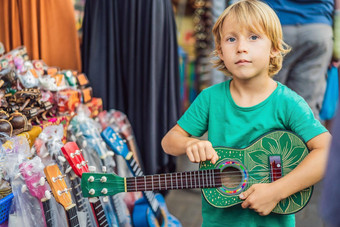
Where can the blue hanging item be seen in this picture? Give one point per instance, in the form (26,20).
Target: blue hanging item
(330,101)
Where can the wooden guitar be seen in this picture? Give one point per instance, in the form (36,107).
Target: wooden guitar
(269,158)
(76,160)
(61,193)
(33,173)
(151,210)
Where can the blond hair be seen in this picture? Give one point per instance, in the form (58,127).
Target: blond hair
(257,17)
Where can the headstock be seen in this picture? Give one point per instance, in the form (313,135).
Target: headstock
(124,126)
(115,142)
(32,171)
(74,157)
(101,184)
(88,136)
(59,188)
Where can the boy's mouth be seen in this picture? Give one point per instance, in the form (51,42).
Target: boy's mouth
(242,61)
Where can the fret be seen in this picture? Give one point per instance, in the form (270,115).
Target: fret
(171,181)
(152,181)
(195,179)
(136,184)
(181,180)
(213,178)
(159,179)
(72,216)
(100,214)
(166,183)
(138,173)
(199,179)
(47,213)
(186,178)
(145,183)
(190,180)
(135,168)
(177,180)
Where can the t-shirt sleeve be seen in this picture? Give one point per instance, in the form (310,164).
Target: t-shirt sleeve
(195,120)
(303,122)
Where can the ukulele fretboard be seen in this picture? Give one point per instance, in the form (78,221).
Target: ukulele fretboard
(184,180)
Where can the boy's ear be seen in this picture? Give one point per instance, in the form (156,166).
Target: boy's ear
(274,53)
(220,54)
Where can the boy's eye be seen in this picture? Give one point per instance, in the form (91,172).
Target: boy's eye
(254,37)
(231,39)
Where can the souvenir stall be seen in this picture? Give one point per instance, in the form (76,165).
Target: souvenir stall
(62,116)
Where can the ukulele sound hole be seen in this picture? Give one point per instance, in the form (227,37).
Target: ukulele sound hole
(231,177)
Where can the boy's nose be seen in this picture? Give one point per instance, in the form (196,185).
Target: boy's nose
(242,46)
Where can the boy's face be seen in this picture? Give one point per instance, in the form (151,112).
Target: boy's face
(245,54)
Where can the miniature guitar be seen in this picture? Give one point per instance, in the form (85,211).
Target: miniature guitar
(61,193)
(76,160)
(36,184)
(269,158)
(87,134)
(48,147)
(150,210)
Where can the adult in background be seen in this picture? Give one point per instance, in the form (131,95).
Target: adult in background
(307,28)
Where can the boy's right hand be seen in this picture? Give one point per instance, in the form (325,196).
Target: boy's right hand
(201,150)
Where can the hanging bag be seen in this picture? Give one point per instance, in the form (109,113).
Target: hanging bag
(330,101)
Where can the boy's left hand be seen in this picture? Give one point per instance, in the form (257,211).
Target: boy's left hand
(260,197)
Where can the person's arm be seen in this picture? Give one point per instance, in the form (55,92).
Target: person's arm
(178,142)
(264,197)
(336,33)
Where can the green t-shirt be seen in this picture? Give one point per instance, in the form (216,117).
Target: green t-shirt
(230,125)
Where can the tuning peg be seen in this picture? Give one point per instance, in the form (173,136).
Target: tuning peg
(67,190)
(42,181)
(103,179)
(93,199)
(69,127)
(84,143)
(78,134)
(29,173)
(90,179)
(18,175)
(48,194)
(68,169)
(73,138)
(92,169)
(61,158)
(33,150)
(104,191)
(23,188)
(105,199)
(77,152)
(110,153)
(92,191)
(104,169)
(45,155)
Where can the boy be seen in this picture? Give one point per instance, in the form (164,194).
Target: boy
(250,49)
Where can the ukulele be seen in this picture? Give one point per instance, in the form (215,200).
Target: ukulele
(87,135)
(48,146)
(269,158)
(61,193)
(34,177)
(76,160)
(150,210)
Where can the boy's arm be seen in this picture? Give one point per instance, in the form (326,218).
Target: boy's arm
(178,142)
(264,197)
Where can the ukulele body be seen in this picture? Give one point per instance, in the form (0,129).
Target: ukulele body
(269,158)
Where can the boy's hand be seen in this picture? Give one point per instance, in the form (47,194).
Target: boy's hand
(201,150)
(260,197)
